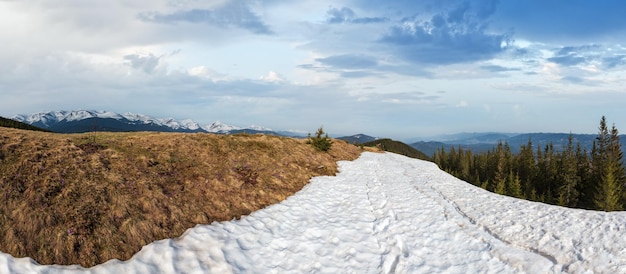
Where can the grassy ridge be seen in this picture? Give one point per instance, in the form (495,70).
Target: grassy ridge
(69,200)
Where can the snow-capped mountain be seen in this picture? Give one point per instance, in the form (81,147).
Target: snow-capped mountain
(358,138)
(219,127)
(89,120)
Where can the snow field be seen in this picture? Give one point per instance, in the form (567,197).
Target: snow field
(385,213)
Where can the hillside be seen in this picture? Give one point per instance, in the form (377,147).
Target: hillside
(85,198)
(9,123)
(398,147)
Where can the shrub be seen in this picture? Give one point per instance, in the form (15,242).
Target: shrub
(321,141)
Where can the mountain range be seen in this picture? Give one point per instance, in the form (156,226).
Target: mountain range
(79,121)
(482,142)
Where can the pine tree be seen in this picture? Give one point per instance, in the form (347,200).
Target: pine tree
(609,194)
(465,161)
(607,164)
(526,167)
(500,187)
(515,186)
(618,156)
(452,162)
(547,168)
(583,170)
(501,172)
(320,141)
(441,159)
(600,152)
(568,193)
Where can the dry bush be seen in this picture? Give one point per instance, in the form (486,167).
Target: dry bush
(67,200)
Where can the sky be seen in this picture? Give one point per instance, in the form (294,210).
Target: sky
(398,69)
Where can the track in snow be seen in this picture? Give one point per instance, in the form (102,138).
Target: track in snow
(383,213)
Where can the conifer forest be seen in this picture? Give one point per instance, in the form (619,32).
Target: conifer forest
(572,177)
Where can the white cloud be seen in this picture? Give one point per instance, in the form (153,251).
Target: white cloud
(273,77)
(462,104)
(289,60)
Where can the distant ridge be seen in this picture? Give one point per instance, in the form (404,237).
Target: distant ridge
(358,138)
(80,121)
(477,142)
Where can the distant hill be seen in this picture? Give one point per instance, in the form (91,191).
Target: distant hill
(429,148)
(483,142)
(358,138)
(399,148)
(559,140)
(5,122)
(467,138)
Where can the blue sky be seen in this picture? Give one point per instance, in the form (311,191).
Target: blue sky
(397,69)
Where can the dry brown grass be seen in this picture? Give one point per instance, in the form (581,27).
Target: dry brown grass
(68,200)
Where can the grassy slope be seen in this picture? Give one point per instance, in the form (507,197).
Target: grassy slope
(66,199)
(5,122)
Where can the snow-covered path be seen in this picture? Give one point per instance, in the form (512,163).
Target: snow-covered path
(385,213)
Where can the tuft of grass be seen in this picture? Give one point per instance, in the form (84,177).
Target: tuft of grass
(68,200)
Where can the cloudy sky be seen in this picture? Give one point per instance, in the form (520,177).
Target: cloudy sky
(395,69)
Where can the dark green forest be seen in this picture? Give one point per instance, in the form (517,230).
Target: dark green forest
(572,177)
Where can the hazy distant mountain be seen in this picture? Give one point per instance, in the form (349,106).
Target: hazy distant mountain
(89,120)
(358,138)
(481,142)
(473,137)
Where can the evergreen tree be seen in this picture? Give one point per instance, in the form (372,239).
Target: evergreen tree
(515,186)
(500,187)
(452,161)
(568,193)
(547,167)
(607,164)
(618,156)
(501,173)
(440,158)
(526,167)
(600,151)
(320,141)
(609,193)
(585,187)
(464,163)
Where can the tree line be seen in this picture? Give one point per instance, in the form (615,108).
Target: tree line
(572,177)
